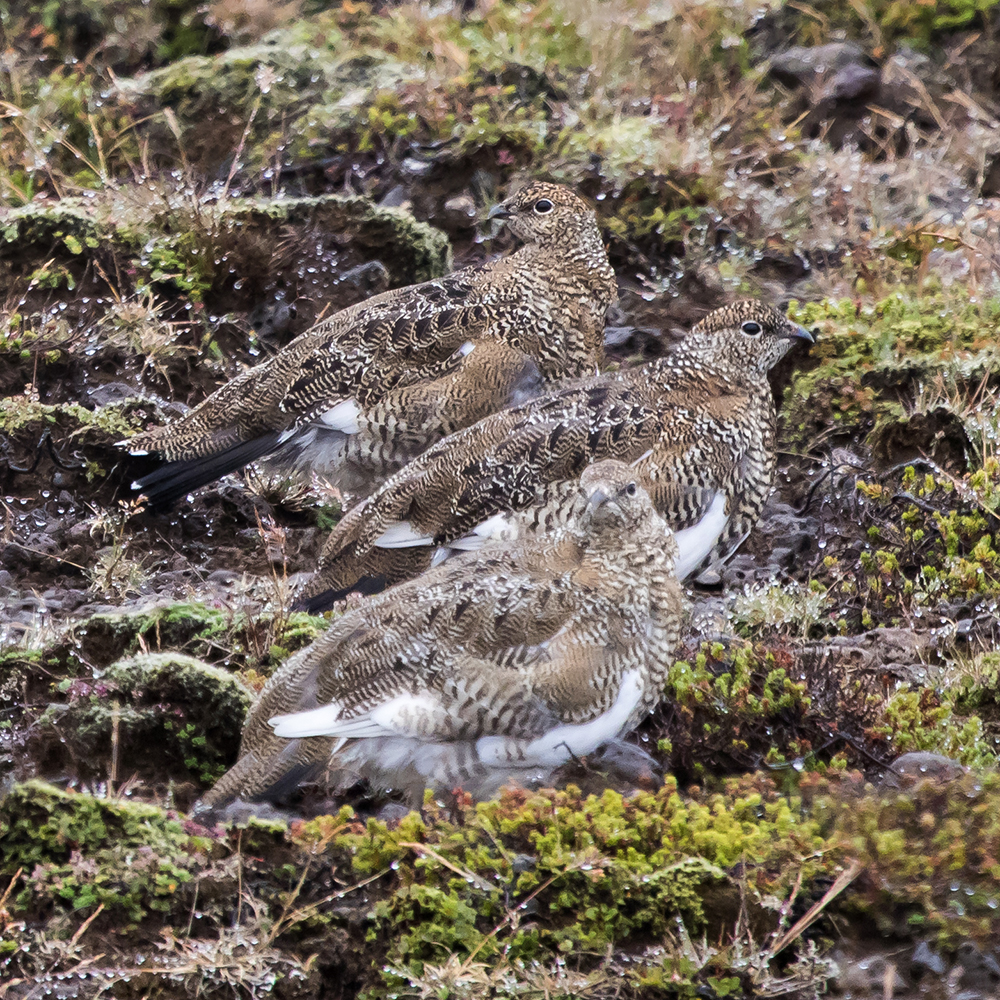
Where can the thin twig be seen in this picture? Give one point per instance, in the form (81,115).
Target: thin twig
(813,913)
(423,849)
(82,929)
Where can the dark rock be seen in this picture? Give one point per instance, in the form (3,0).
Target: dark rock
(112,392)
(800,65)
(459,212)
(392,812)
(980,971)
(854,83)
(272,318)
(990,187)
(396,197)
(927,960)
(365,280)
(911,768)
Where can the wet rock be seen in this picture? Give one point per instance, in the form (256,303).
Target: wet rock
(367,279)
(272,318)
(868,975)
(175,717)
(799,65)
(392,812)
(838,72)
(911,768)
(980,970)
(834,85)
(459,213)
(925,959)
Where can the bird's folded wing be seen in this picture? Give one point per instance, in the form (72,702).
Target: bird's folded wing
(359,352)
(499,463)
(519,692)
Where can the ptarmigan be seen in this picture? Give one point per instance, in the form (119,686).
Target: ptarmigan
(363,392)
(699,424)
(502,663)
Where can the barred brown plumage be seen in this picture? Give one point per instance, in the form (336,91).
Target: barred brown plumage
(501,663)
(700,423)
(361,393)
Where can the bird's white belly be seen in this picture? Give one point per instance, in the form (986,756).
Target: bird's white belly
(695,543)
(562,742)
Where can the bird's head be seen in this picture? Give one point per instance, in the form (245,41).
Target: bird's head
(615,495)
(748,334)
(541,212)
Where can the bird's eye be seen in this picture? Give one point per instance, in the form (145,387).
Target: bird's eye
(543,205)
(630,489)
(750,328)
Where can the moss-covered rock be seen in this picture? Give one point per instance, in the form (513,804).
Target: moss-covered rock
(67,439)
(50,246)
(874,367)
(85,851)
(162,715)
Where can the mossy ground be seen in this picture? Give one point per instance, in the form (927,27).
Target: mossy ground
(186,186)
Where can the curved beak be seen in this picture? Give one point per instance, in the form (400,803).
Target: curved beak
(499,212)
(801,333)
(597,498)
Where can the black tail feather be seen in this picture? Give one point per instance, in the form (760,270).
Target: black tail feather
(163,487)
(365,585)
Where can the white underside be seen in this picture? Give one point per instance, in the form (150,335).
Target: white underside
(402,535)
(395,718)
(695,543)
(313,722)
(559,744)
(343,417)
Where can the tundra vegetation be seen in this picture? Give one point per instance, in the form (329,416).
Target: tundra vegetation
(187,185)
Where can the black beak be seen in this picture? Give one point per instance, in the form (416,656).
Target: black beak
(801,333)
(499,212)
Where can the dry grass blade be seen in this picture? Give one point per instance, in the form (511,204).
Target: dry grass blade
(843,881)
(424,850)
(82,929)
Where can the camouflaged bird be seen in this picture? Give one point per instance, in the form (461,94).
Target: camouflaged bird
(361,393)
(498,664)
(699,424)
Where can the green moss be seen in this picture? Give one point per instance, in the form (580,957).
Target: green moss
(601,869)
(595,871)
(870,362)
(931,539)
(116,420)
(738,704)
(86,851)
(66,224)
(926,720)
(169,712)
(919,23)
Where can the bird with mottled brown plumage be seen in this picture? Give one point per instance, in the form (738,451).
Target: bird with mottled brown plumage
(499,664)
(363,392)
(699,424)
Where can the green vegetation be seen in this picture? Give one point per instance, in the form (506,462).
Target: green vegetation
(876,367)
(187,185)
(155,711)
(85,851)
(514,884)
